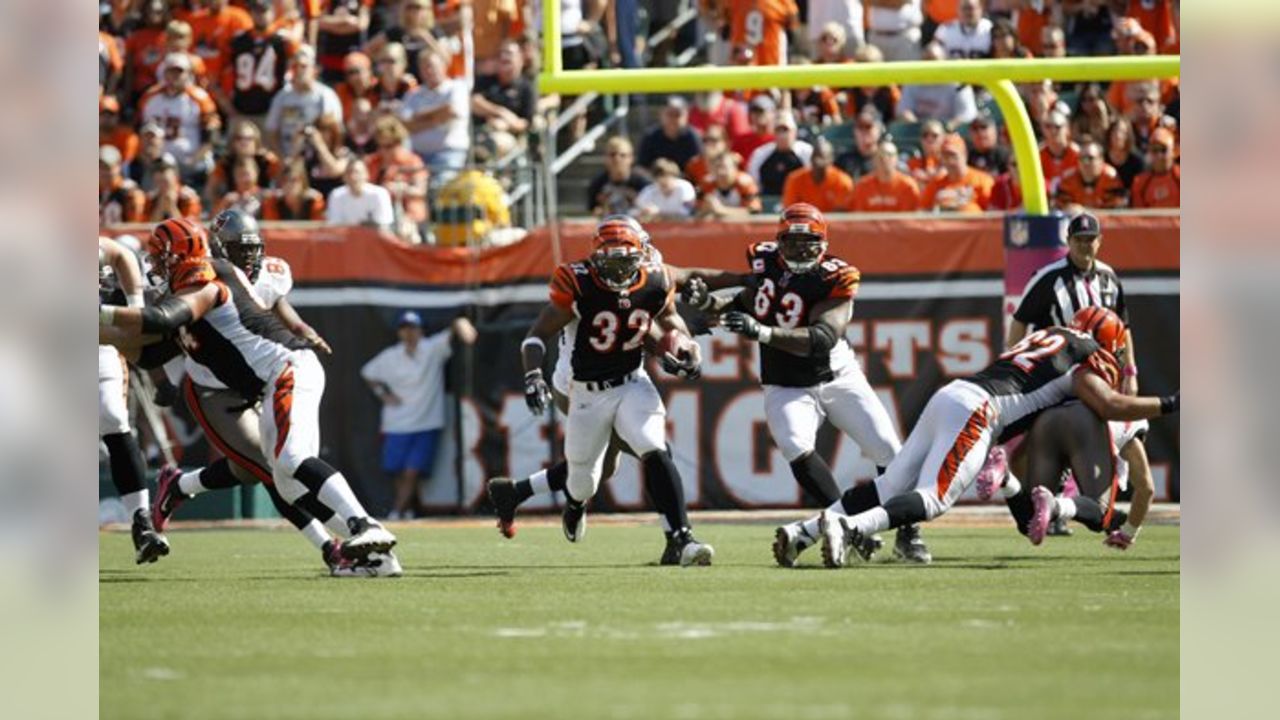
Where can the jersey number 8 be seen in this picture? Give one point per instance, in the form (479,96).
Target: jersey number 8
(606,324)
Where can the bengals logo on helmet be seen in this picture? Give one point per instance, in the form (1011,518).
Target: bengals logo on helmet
(177,240)
(1104,325)
(802,219)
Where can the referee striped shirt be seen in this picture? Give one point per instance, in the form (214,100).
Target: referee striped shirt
(1060,289)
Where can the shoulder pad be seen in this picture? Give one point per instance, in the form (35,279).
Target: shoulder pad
(758,254)
(1104,365)
(192,273)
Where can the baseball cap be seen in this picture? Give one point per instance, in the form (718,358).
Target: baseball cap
(409,317)
(1056,119)
(110,155)
(763,102)
(983,119)
(675,102)
(151,127)
(176,60)
(785,119)
(1085,224)
(108,103)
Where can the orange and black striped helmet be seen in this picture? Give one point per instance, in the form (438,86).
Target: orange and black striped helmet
(802,236)
(1104,325)
(618,251)
(177,240)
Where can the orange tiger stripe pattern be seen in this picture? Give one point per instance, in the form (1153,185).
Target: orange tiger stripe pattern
(978,422)
(846,281)
(564,287)
(282,406)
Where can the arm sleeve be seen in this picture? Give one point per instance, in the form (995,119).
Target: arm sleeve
(564,288)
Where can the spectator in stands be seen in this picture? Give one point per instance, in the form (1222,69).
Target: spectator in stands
(714,143)
(894,27)
(868,129)
(1124,94)
(668,197)
(883,98)
(614,191)
(816,106)
(1088,24)
(1005,44)
(1091,184)
(951,103)
(246,193)
(1041,98)
(119,17)
(927,164)
(395,167)
(144,49)
(1053,42)
(119,199)
(115,133)
(394,83)
(213,27)
(985,151)
(1057,152)
(826,187)
(495,21)
(170,198)
(969,35)
(841,18)
(1158,17)
(1159,186)
(886,188)
(305,103)
(960,188)
(438,115)
(340,28)
(1121,153)
(1092,115)
(110,64)
(1148,116)
(244,143)
(140,171)
(359,82)
(359,202)
(672,138)
(505,104)
(177,40)
(1031,17)
(762,112)
(772,162)
(716,108)
(187,112)
(359,137)
(1006,193)
(257,64)
(730,193)
(413,32)
(295,200)
(758,31)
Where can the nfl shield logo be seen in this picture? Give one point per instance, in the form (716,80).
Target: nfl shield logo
(624,302)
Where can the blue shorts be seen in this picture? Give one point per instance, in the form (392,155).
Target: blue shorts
(404,451)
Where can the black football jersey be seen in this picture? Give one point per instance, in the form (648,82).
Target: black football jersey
(607,335)
(783,299)
(1036,374)
(258,64)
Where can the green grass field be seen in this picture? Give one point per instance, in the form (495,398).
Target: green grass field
(243,624)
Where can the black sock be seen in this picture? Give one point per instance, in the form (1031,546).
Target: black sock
(128,469)
(860,498)
(313,472)
(905,510)
(219,476)
(292,513)
(311,505)
(1021,509)
(811,471)
(665,490)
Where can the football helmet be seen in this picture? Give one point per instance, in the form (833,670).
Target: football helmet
(236,237)
(802,237)
(1104,325)
(618,251)
(174,242)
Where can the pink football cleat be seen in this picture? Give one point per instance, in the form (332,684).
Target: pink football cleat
(1118,539)
(991,477)
(168,497)
(1042,503)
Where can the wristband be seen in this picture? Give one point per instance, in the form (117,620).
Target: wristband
(106,314)
(134,301)
(1168,404)
(1130,530)
(530,374)
(766,334)
(533,341)
(1130,371)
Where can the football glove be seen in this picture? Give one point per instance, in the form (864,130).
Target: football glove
(536,393)
(742,324)
(686,367)
(696,294)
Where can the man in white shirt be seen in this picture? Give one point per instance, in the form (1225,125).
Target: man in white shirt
(894,27)
(359,202)
(969,35)
(668,196)
(950,103)
(438,113)
(408,379)
(305,103)
(847,13)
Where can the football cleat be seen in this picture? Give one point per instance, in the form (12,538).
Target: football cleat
(1042,503)
(574,520)
(168,497)
(1059,528)
(683,549)
(788,542)
(909,547)
(148,544)
(831,529)
(331,553)
(373,565)
(367,536)
(991,477)
(502,495)
(1118,539)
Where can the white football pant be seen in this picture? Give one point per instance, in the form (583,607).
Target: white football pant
(795,414)
(634,409)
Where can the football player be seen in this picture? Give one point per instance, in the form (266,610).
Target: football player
(232,340)
(120,283)
(950,441)
(609,305)
(797,305)
(231,424)
(507,496)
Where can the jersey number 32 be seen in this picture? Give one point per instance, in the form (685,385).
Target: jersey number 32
(606,325)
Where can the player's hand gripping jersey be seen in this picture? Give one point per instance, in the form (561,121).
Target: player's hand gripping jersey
(610,322)
(784,299)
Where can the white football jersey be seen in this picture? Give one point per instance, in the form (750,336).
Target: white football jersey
(964,43)
(274,282)
(180,116)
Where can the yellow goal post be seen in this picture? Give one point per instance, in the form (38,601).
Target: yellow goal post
(998,76)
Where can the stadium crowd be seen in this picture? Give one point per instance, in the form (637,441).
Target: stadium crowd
(365,112)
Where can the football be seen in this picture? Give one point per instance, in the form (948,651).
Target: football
(673,342)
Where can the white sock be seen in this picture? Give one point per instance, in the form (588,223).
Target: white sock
(872,521)
(135,501)
(538,481)
(314,532)
(1066,509)
(337,526)
(190,483)
(809,528)
(337,495)
(1012,486)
